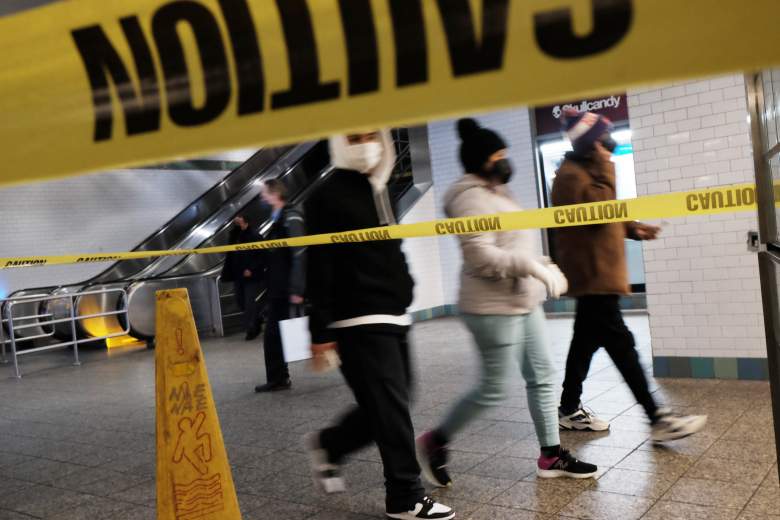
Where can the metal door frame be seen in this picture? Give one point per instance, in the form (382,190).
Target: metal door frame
(769,249)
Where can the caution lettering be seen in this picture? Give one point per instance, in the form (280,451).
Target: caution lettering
(360,236)
(732,198)
(25,262)
(594,214)
(471,50)
(471,225)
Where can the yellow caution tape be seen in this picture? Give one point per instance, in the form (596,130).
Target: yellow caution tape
(724,199)
(95,84)
(194,479)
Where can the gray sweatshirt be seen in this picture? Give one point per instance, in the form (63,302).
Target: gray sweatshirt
(495,278)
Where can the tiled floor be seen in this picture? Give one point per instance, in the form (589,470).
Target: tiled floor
(78,443)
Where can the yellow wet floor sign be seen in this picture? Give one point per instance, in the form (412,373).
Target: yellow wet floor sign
(193,474)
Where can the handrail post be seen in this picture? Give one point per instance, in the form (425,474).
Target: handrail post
(76,361)
(3,359)
(13,339)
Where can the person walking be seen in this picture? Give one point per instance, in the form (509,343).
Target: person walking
(359,295)
(285,283)
(503,283)
(245,270)
(593,259)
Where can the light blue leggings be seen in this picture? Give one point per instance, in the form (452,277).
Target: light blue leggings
(500,340)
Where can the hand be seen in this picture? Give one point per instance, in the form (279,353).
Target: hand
(647,232)
(324,356)
(247,273)
(552,278)
(296,299)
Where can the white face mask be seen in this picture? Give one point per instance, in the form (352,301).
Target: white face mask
(364,157)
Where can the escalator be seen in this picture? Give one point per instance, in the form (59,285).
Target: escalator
(301,167)
(265,163)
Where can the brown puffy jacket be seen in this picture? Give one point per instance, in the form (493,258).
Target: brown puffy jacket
(593,257)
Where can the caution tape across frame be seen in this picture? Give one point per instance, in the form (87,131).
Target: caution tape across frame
(91,85)
(724,199)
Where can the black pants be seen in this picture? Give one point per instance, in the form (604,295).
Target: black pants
(599,323)
(278,309)
(375,364)
(246,292)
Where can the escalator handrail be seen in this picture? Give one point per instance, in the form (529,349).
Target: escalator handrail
(290,167)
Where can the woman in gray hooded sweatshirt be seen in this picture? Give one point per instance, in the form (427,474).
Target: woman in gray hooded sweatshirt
(503,284)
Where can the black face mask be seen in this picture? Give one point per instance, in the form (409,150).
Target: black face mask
(608,143)
(500,170)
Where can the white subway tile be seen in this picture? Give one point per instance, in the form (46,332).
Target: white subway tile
(722,82)
(650,97)
(689,124)
(673,92)
(686,101)
(696,87)
(713,120)
(662,107)
(696,111)
(737,92)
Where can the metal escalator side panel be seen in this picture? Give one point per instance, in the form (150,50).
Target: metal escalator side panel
(170,234)
(60,309)
(298,177)
(27,315)
(101,315)
(203,293)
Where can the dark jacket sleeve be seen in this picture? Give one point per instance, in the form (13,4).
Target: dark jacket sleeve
(320,272)
(258,260)
(229,267)
(296,228)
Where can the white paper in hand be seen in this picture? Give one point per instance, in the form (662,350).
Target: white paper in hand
(296,340)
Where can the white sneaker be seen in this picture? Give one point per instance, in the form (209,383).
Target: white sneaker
(326,476)
(583,420)
(426,508)
(670,426)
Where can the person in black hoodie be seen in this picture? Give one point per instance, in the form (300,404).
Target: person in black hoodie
(359,293)
(285,283)
(245,269)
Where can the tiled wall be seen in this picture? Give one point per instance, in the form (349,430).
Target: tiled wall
(422,254)
(703,287)
(112,211)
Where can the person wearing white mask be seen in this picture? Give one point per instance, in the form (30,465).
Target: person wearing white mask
(359,294)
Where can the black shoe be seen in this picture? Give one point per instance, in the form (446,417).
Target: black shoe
(425,508)
(433,460)
(251,334)
(274,387)
(564,465)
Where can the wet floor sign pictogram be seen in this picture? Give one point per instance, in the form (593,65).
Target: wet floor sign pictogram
(193,474)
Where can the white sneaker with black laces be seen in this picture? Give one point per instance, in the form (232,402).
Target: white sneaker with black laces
(425,508)
(583,420)
(670,426)
(326,476)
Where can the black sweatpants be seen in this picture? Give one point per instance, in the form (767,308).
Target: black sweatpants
(599,323)
(246,291)
(375,364)
(278,309)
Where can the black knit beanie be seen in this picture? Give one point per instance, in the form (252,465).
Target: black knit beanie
(477,144)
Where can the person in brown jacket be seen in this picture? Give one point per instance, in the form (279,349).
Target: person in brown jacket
(593,259)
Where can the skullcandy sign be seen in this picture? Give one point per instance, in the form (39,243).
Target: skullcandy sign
(548,118)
